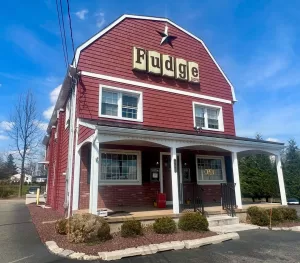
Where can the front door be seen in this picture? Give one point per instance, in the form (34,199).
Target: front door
(167,176)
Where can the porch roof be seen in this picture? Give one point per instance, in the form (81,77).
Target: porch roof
(184,138)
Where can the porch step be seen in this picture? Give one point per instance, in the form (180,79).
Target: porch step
(222,220)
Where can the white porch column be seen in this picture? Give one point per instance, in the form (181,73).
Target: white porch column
(280,180)
(94,177)
(174,174)
(236,179)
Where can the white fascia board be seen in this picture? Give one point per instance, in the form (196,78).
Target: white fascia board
(196,139)
(120,19)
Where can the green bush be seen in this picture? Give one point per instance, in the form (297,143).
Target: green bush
(258,216)
(61,226)
(193,222)
(5,192)
(164,225)
(277,215)
(85,228)
(289,213)
(131,228)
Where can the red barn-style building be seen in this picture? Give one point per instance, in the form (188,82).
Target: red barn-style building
(145,109)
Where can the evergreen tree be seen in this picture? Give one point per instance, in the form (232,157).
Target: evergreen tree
(258,176)
(11,167)
(291,169)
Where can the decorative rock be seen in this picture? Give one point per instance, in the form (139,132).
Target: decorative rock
(210,240)
(90,257)
(276,228)
(66,253)
(164,246)
(177,245)
(264,227)
(51,245)
(295,228)
(76,255)
(57,250)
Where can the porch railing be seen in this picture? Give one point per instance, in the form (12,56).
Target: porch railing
(192,200)
(228,198)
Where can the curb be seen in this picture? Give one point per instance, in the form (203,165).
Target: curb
(294,228)
(142,250)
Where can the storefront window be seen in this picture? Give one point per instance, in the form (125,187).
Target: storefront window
(210,169)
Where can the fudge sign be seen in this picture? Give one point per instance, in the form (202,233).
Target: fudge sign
(165,65)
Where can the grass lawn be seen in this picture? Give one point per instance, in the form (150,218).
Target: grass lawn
(13,190)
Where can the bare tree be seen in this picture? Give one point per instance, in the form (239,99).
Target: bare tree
(25,131)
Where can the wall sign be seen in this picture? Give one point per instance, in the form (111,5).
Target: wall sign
(165,65)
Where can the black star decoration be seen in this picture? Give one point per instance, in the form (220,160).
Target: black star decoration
(166,38)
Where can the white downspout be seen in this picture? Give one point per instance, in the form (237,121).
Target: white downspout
(71,146)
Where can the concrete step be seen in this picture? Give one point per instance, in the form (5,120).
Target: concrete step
(222,220)
(232,228)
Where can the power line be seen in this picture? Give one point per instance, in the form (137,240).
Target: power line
(70,24)
(61,35)
(64,31)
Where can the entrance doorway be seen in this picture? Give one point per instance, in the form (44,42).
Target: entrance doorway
(166,182)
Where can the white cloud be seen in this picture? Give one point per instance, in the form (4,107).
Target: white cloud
(81,14)
(0,85)
(53,98)
(3,137)
(6,125)
(100,19)
(43,126)
(48,112)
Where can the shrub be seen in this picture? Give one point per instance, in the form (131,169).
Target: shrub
(193,222)
(258,216)
(61,226)
(5,192)
(164,225)
(87,228)
(277,215)
(131,228)
(289,213)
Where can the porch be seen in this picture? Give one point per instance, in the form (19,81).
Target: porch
(123,170)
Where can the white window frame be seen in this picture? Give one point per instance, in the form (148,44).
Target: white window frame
(212,182)
(138,181)
(121,91)
(67,118)
(206,106)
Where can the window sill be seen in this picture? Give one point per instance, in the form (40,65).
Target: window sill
(210,129)
(101,183)
(211,182)
(120,118)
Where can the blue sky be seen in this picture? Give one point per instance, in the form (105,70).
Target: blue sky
(255,42)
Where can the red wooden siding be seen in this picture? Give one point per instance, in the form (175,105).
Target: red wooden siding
(112,55)
(58,154)
(160,109)
(84,133)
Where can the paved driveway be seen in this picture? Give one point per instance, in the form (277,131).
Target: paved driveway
(19,240)
(19,243)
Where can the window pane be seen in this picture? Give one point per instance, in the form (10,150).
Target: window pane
(118,166)
(209,169)
(129,106)
(212,115)
(199,116)
(109,103)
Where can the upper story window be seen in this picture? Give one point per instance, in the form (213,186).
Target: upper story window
(120,104)
(208,117)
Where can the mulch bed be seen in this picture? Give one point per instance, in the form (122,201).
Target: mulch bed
(47,233)
(288,224)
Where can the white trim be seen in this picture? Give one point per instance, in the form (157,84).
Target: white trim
(151,86)
(280,179)
(236,180)
(75,200)
(67,117)
(120,19)
(86,124)
(220,117)
(206,182)
(120,91)
(161,176)
(123,182)
(71,147)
